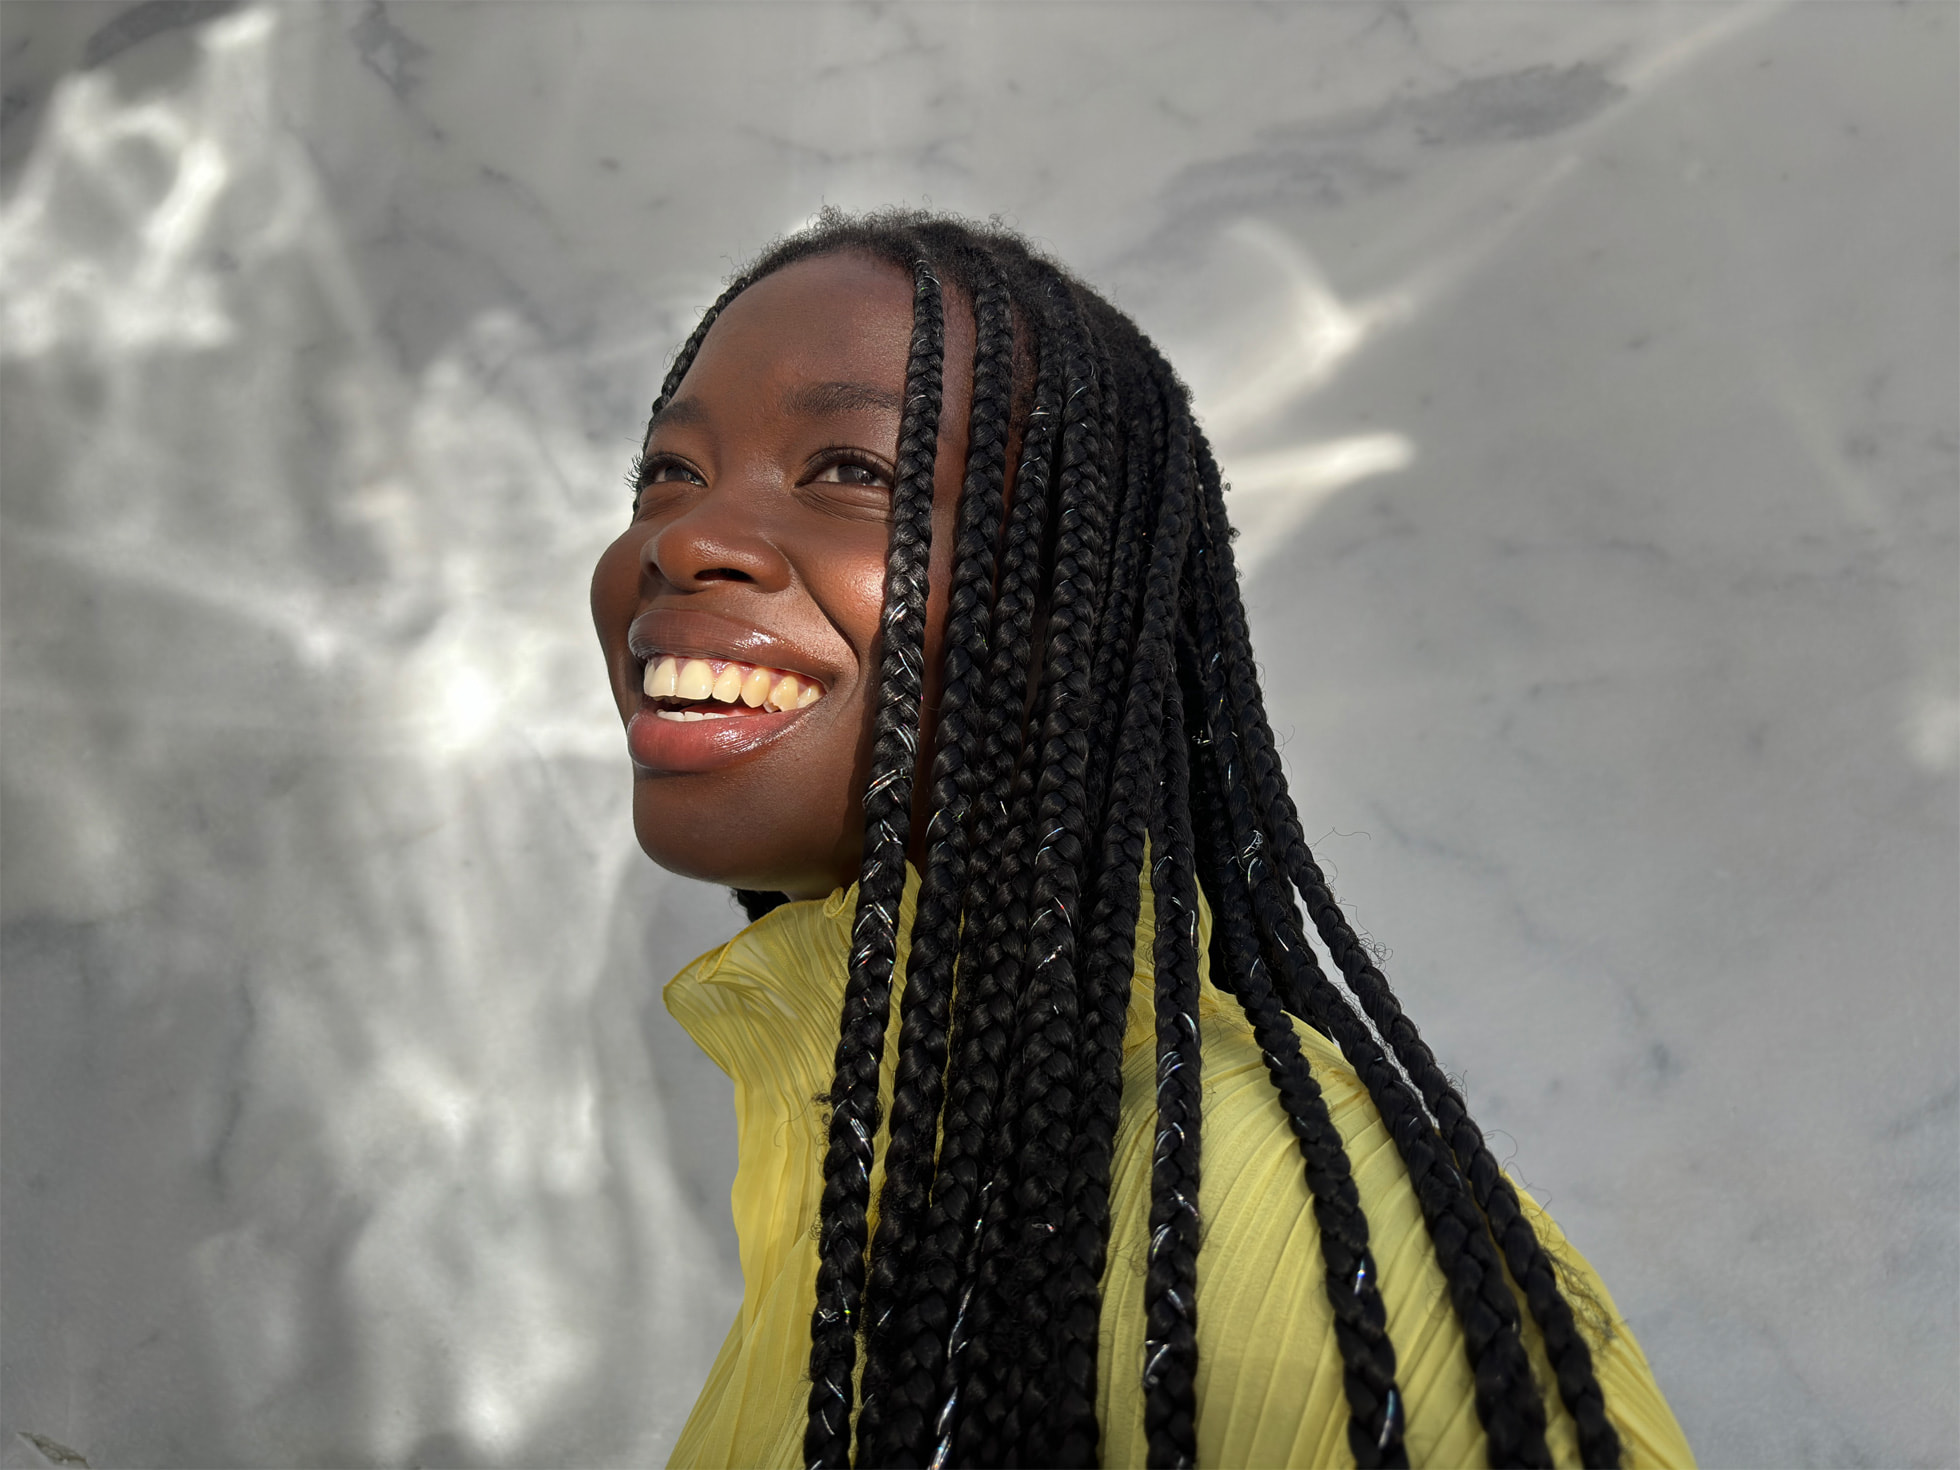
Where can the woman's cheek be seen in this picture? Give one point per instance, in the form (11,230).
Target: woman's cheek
(615,588)
(865,595)
(846,580)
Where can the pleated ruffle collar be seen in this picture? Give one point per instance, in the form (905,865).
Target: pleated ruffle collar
(765,1005)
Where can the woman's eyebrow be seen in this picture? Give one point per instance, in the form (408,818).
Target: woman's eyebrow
(820,400)
(680,412)
(812,400)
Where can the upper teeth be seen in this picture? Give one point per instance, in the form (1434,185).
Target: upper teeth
(727,682)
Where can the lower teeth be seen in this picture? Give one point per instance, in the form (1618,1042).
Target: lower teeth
(689,714)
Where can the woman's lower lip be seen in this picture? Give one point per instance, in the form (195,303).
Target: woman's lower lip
(676,747)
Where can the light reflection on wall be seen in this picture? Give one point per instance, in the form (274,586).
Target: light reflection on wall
(1580,377)
(1280,358)
(325,601)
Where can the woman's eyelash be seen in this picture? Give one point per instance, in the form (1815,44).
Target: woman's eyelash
(832,459)
(643,467)
(640,474)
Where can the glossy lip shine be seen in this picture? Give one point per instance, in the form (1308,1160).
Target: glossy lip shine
(676,747)
(684,747)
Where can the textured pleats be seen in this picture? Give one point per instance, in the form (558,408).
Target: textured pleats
(764,1007)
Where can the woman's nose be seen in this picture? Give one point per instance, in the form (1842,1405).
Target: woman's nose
(713,540)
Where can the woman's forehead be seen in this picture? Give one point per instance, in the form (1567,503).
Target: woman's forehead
(844,317)
(827,334)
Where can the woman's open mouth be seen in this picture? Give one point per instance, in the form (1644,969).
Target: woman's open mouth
(714,689)
(697,714)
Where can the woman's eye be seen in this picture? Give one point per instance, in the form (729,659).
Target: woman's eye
(667,471)
(850,472)
(649,471)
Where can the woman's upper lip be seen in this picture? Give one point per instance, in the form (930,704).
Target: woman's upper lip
(691,633)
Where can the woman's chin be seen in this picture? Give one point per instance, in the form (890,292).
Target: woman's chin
(765,835)
(714,859)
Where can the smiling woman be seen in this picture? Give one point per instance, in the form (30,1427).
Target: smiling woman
(762,513)
(927,640)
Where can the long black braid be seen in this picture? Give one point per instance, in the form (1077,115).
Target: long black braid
(919,1090)
(934,1319)
(1011,1341)
(1136,796)
(1170,1345)
(854,1106)
(1099,703)
(1570,1358)
(1229,867)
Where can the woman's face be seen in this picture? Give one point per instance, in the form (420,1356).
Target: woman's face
(747,591)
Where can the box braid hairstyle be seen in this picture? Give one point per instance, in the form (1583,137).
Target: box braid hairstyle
(1105,584)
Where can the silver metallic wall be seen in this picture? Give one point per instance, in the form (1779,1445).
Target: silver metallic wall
(1587,375)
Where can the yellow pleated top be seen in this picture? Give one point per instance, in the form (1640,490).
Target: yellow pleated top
(765,1008)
